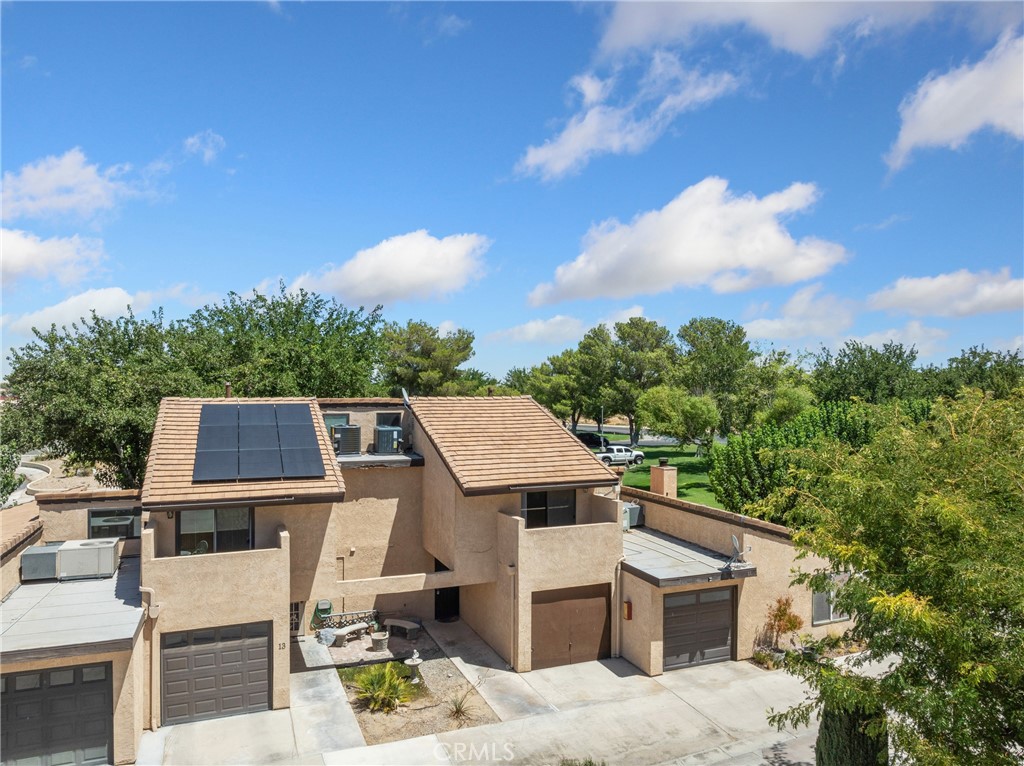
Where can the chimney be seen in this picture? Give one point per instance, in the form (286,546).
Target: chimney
(227,389)
(490,390)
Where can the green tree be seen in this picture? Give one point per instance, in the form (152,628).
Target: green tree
(930,518)
(996,372)
(788,402)
(863,371)
(285,344)
(89,394)
(717,360)
(643,356)
(673,412)
(424,362)
(594,372)
(9,480)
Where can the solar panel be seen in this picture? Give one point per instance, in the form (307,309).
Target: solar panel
(215,465)
(257,437)
(259,464)
(256,441)
(302,462)
(218,415)
(217,438)
(294,414)
(297,436)
(256,415)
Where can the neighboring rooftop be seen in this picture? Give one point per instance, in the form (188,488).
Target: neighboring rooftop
(170,469)
(664,560)
(506,443)
(50,619)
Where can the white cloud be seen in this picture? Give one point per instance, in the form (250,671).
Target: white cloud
(666,91)
(802,28)
(67,259)
(557,329)
(927,340)
(205,143)
(805,314)
(406,267)
(947,109)
(957,294)
(447,327)
(884,224)
(65,185)
(451,25)
(107,302)
(705,236)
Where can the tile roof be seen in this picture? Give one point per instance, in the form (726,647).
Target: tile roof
(493,444)
(172,458)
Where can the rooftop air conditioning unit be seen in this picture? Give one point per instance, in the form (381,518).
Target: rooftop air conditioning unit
(87,559)
(388,439)
(346,440)
(632,515)
(39,562)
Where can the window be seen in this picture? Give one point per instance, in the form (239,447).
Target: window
(549,509)
(335,419)
(295,617)
(822,608)
(115,522)
(215,530)
(392,419)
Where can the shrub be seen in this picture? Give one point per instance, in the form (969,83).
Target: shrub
(781,620)
(381,689)
(847,738)
(459,706)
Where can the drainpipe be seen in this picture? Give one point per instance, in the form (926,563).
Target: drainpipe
(617,634)
(153,612)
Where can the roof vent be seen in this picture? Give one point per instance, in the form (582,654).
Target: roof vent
(346,439)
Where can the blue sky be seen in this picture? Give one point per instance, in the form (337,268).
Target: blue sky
(814,171)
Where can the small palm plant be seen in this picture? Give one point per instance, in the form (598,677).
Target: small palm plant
(381,689)
(459,706)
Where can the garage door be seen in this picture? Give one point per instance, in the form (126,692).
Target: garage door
(698,627)
(57,716)
(215,672)
(570,625)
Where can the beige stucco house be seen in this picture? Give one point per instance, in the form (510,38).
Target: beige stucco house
(254,511)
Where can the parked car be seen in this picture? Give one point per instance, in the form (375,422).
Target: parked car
(618,455)
(592,440)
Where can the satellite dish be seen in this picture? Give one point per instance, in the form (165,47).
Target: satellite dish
(735,546)
(405,399)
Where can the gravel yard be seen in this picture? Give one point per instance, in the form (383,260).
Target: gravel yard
(428,713)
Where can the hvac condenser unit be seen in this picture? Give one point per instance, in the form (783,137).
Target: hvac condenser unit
(346,439)
(632,515)
(39,562)
(83,559)
(388,439)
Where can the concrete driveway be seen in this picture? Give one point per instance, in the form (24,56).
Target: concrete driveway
(605,710)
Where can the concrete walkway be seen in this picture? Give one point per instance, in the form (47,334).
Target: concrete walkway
(319,720)
(606,710)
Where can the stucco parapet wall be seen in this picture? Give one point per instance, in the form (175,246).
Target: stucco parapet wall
(24,535)
(728,517)
(365,401)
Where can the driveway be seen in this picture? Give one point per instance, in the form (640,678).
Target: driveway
(606,710)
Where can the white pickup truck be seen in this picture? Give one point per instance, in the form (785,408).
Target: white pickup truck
(618,455)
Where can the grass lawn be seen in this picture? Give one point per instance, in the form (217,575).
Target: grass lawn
(691,473)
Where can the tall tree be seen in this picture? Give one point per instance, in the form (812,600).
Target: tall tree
(283,344)
(930,518)
(424,362)
(643,354)
(594,371)
(89,394)
(717,360)
(997,372)
(673,412)
(871,374)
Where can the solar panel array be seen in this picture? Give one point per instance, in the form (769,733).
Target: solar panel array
(256,441)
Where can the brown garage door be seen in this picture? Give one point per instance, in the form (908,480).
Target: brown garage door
(57,716)
(215,672)
(570,625)
(698,627)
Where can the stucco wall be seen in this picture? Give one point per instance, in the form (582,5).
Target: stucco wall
(641,638)
(365,416)
(70,521)
(126,671)
(10,561)
(218,589)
